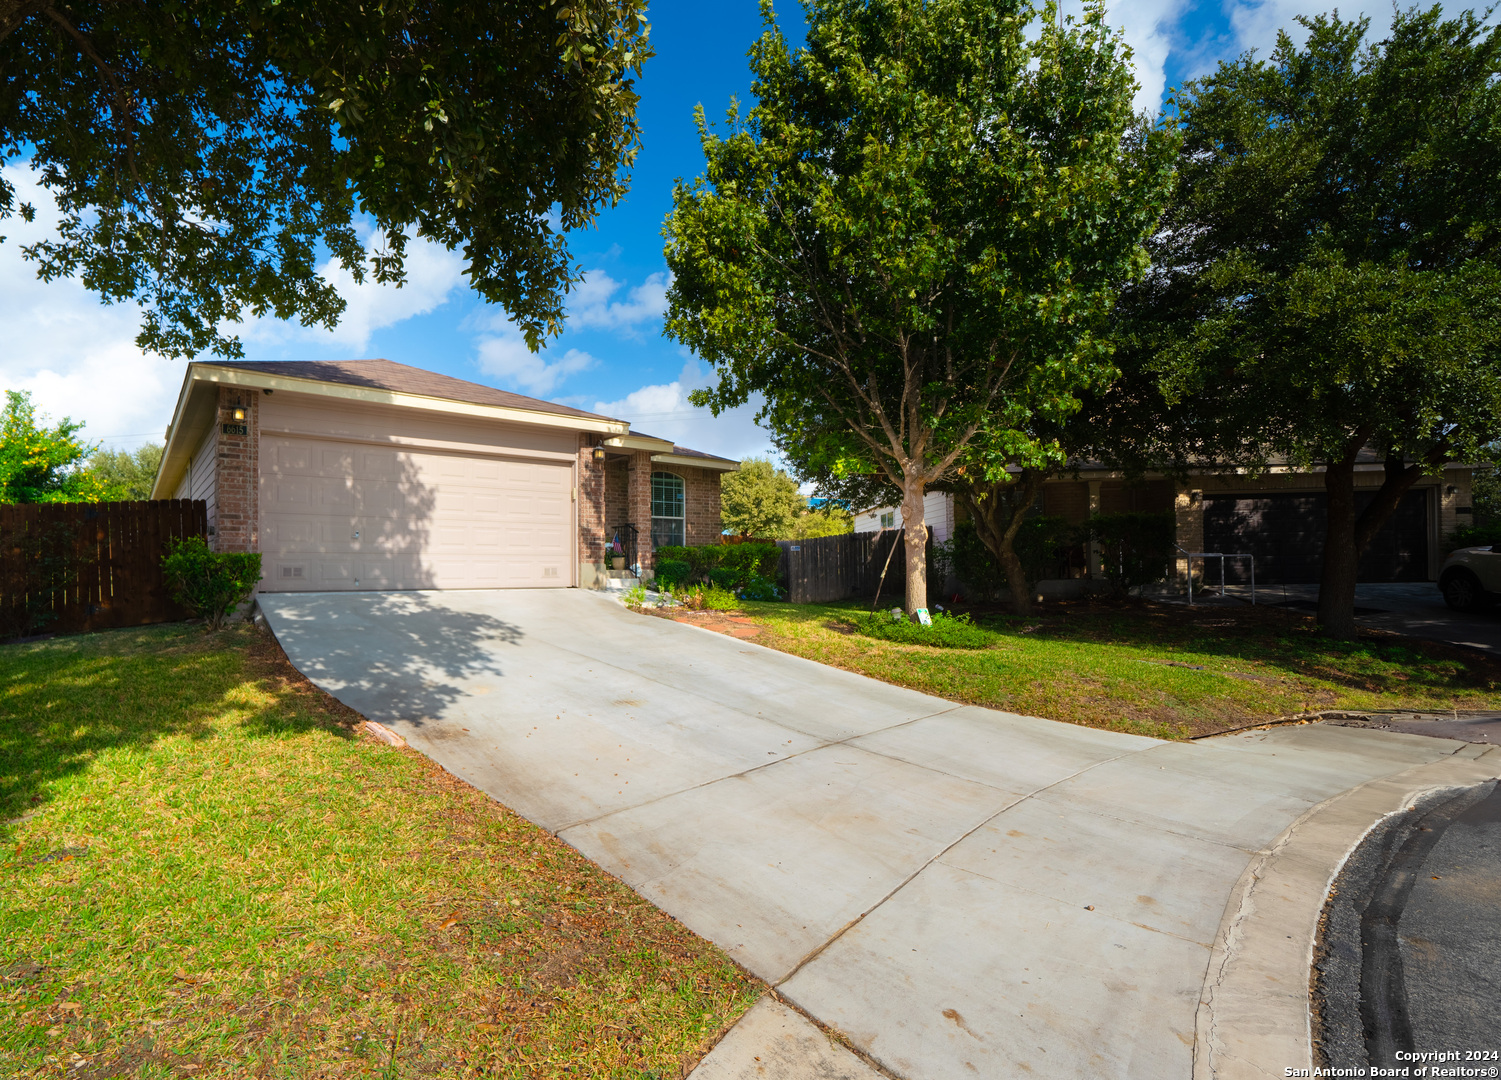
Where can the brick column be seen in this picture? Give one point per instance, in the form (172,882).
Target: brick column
(237,471)
(638,501)
(591,504)
(1188,505)
(703,524)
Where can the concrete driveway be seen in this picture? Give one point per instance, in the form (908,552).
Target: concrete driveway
(962,892)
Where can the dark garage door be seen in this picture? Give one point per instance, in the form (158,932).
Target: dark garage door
(1286,534)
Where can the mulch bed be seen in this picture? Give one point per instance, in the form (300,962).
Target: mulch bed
(732,623)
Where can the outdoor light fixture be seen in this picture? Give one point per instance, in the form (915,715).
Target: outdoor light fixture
(1451,490)
(599,453)
(239,414)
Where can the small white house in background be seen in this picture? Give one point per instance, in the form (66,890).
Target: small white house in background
(938,510)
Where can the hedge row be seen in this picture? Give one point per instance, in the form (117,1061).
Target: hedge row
(729,566)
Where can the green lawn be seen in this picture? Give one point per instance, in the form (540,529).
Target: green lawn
(1151,669)
(214,875)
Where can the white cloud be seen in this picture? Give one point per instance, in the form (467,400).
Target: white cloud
(1256,23)
(663,410)
(503,354)
(433,272)
(591,307)
(76,355)
(598,302)
(1154,30)
(1253,25)
(1148,27)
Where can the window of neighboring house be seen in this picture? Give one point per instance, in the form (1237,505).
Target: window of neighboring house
(667,503)
(888,519)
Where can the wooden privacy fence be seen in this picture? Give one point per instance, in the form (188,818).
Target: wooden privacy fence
(89,566)
(838,567)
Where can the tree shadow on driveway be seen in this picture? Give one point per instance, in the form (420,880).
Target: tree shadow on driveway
(397,656)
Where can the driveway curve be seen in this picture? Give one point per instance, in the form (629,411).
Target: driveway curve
(957,890)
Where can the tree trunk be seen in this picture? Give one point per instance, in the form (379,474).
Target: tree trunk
(1347,535)
(998,512)
(1337,578)
(1016,575)
(915,534)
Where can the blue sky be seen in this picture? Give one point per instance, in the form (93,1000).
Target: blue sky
(77,357)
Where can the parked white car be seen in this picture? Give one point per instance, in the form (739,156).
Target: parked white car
(1471,578)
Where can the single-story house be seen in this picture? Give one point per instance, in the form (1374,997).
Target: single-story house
(1278,517)
(368,474)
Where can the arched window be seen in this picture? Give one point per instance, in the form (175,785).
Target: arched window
(667,503)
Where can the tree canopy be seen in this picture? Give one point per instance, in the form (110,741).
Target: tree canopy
(909,244)
(39,464)
(126,475)
(1327,280)
(205,156)
(830,519)
(759,500)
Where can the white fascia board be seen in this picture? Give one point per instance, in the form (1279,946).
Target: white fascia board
(719,464)
(266,381)
(639,442)
(172,438)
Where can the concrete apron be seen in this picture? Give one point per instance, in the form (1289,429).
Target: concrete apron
(956,891)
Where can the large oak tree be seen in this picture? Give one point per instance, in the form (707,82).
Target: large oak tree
(909,243)
(1326,283)
(206,155)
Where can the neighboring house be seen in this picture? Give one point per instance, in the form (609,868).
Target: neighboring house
(1277,517)
(368,474)
(938,510)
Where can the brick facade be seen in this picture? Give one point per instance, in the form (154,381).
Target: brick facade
(638,507)
(627,499)
(1068,499)
(593,518)
(702,523)
(237,472)
(617,505)
(1449,517)
(1125,497)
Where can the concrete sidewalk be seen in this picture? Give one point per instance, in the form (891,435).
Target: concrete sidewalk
(958,891)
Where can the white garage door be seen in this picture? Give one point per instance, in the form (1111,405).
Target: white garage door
(347,516)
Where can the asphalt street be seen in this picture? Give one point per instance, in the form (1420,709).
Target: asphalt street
(1409,959)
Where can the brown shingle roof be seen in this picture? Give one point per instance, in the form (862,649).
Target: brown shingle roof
(404,379)
(683,451)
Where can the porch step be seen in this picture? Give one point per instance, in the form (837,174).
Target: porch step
(620,581)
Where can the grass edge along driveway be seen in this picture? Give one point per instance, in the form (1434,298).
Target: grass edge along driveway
(1147,668)
(215,875)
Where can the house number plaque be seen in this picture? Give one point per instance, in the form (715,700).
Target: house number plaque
(235,429)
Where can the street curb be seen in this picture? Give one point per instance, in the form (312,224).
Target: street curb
(1254,1019)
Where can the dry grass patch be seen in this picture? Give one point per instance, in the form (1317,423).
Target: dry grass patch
(214,875)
